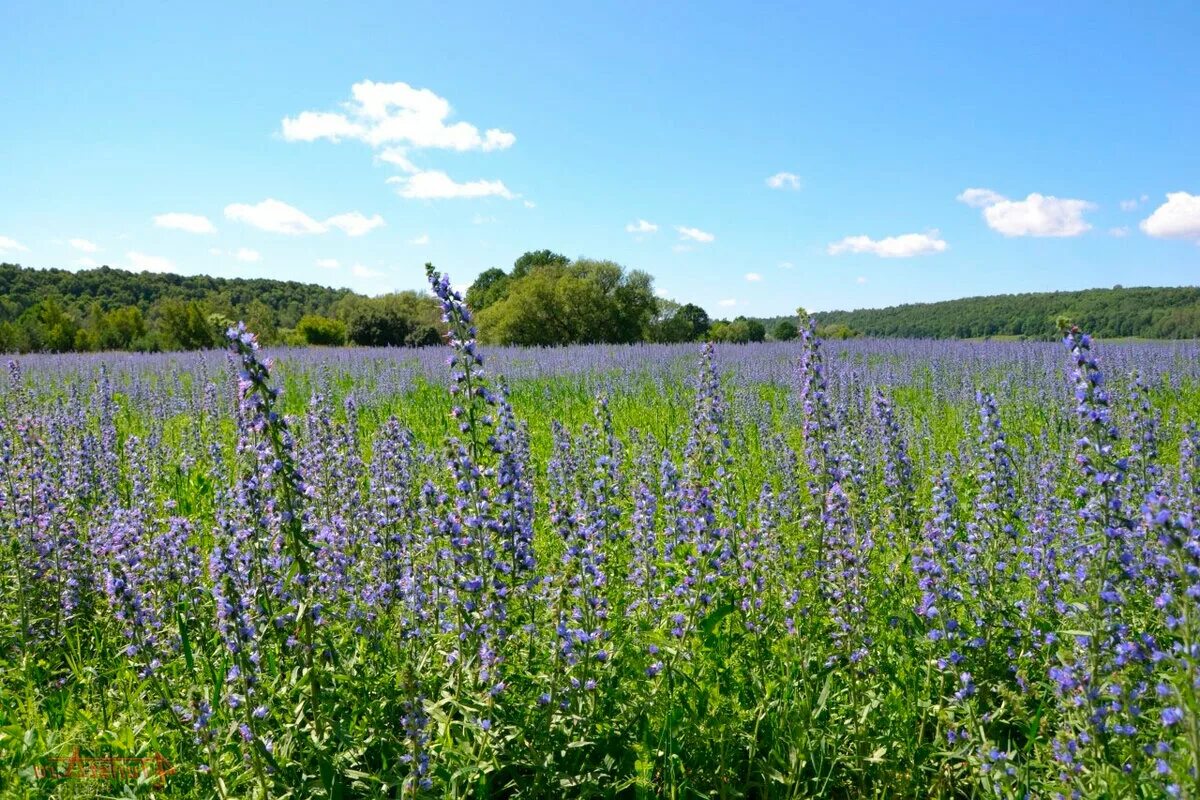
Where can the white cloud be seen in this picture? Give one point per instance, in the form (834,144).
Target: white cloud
(436,185)
(1129,205)
(84,246)
(784,180)
(140,262)
(1120,232)
(753,277)
(8,244)
(420,240)
(682,248)
(904,246)
(86,263)
(1178,218)
(694,234)
(215,251)
(660,292)
(355,224)
(191,223)
(247,255)
(980,198)
(641,226)
(328,263)
(727,303)
(860,280)
(1036,215)
(480,219)
(394,113)
(359,271)
(786,265)
(530,204)
(275,216)
(398,156)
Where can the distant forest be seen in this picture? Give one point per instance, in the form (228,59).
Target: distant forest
(1141,312)
(545,299)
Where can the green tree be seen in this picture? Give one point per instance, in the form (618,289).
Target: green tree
(784,331)
(318,330)
(488,288)
(584,302)
(533,259)
(184,325)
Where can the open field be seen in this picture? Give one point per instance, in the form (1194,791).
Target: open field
(865,568)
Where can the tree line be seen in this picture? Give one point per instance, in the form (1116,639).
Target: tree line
(545,299)
(59,311)
(1140,312)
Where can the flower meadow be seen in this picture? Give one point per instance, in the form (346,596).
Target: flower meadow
(862,569)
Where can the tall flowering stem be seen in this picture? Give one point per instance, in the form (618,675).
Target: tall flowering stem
(259,397)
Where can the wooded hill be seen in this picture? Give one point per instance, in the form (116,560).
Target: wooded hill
(1142,312)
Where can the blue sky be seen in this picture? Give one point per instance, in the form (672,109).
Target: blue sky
(920,151)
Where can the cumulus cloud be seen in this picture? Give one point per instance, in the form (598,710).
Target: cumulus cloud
(328,263)
(1119,232)
(694,234)
(394,113)
(84,246)
(1036,215)
(275,216)
(420,240)
(904,246)
(140,262)
(247,255)
(355,224)
(784,180)
(660,292)
(436,185)
(1178,218)
(753,277)
(8,244)
(397,119)
(641,226)
(190,223)
(727,303)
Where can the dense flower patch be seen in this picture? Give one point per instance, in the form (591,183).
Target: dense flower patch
(885,569)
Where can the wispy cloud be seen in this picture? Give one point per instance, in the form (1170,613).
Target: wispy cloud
(753,277)
(247,255)
(436,185)
(84,246)
(10,245)
(140,262)
(729,303)
(641,226)
(275,216)
(359,271)
(694,234)
(189,223)
(903,246)
(328,263)
(423,239)
(784,180)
